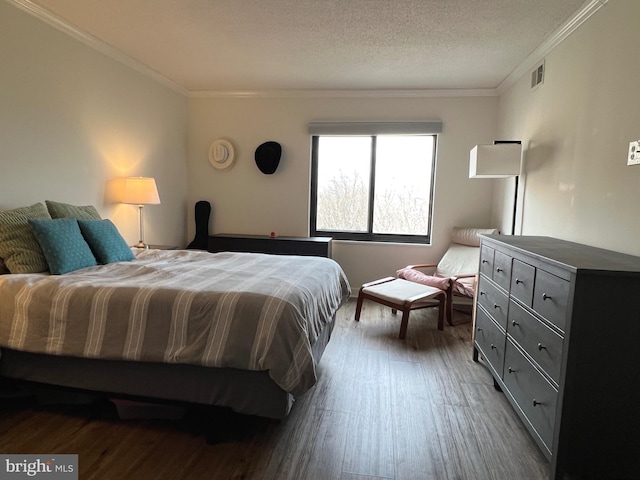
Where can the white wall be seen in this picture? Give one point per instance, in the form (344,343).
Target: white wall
(246,201)
(575,130)
(72,120)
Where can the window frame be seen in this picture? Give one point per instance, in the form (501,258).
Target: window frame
(369,235)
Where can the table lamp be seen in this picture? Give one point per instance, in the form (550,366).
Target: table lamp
(140,191)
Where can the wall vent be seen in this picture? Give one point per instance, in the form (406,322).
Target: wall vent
(537,76)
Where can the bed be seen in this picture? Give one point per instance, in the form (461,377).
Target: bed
(239,330)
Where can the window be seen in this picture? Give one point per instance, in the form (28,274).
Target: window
(373,187)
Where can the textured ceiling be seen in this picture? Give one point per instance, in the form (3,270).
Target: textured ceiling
(257,45)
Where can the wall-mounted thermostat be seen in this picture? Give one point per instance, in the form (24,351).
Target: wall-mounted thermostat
(634,153)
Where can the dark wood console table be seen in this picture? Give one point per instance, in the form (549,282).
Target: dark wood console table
(314,246)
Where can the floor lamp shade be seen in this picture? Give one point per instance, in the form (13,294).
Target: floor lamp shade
(503,159)
(140,191)
(500,160)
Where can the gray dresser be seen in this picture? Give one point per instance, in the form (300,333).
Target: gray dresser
(558,325)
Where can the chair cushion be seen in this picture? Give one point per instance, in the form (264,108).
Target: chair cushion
(414,275)
(458,260)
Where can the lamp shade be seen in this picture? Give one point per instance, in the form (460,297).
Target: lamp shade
(500,160)
(140,191)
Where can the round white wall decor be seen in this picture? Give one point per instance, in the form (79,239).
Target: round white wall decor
(221,154)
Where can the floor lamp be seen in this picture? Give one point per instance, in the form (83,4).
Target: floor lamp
(140,191)
(503,159)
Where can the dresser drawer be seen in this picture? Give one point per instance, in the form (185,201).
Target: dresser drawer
(522,277)
(490,340)
(502,270)
(494,301)
(534,337)
(550,298)
(486,260)
(535,396)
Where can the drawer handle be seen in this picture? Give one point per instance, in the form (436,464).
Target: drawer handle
(499,270)
(482,293)
(511,370)
(495,305)
(545,297)
(541,347)
(514,323)
(518,281)
(493,347)
(485,261)
(479,329)
(536,403)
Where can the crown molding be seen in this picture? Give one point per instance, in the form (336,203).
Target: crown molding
(586,11)
(95,43)
(372,93)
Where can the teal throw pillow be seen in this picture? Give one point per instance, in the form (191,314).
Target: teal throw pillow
(105,241)
(63,245)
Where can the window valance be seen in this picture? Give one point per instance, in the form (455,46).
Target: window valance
(374,128)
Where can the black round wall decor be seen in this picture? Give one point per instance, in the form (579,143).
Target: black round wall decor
(268,157)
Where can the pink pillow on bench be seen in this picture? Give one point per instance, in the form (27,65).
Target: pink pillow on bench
(417,276)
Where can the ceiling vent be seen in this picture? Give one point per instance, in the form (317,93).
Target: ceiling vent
(537,76)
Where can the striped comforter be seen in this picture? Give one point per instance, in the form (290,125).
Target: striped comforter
(240,310)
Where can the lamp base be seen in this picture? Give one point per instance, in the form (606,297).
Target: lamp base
(141,244)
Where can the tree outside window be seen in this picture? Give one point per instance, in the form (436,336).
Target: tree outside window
(376,187)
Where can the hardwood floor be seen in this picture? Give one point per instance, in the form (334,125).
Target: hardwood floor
(383,409)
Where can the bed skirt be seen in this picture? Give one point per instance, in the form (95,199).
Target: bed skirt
(244,391)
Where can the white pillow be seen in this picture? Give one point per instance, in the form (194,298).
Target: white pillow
(470,236)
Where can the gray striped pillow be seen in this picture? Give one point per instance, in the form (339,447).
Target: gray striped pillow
(66,210)
(18,246)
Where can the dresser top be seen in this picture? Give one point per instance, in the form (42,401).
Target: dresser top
(574,256)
